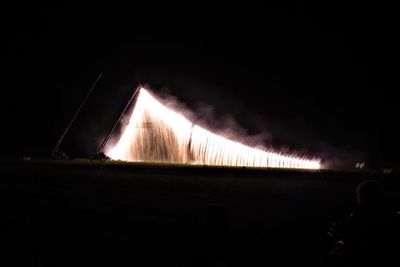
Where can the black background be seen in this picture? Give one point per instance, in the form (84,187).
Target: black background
(319,79)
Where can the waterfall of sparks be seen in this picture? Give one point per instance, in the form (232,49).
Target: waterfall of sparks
(156,133)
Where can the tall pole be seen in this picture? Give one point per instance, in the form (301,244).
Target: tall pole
(116,123)
(56,148)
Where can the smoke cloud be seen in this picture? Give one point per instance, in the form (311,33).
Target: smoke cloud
(170,132)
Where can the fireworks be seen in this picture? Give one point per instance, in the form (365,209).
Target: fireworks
(156,133)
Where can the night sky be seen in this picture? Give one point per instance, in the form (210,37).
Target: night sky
(313,78)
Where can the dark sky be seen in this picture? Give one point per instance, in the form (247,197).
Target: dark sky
(318,78)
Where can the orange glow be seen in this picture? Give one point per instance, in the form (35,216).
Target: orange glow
(156,133)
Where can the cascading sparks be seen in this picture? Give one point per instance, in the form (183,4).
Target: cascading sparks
(156,133)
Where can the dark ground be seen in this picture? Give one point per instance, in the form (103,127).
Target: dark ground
(92,213)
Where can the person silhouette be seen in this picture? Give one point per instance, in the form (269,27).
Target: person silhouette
(369,236)
(216,239)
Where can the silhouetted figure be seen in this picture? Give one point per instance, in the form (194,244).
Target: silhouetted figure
(216,238)
(101,156)
(60,155)
(369,236)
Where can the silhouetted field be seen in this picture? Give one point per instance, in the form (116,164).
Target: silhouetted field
(68,213)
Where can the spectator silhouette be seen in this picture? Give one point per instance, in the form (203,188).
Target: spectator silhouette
(369,236)
(216,237)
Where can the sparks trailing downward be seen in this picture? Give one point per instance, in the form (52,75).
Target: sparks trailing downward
(156,133)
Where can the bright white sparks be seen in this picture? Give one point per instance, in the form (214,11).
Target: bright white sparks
(156,133)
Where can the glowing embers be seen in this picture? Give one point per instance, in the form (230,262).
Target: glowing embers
(156,133)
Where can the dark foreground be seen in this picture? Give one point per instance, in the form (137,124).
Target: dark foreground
(93,213)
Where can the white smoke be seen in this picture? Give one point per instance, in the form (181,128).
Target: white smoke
(157,132)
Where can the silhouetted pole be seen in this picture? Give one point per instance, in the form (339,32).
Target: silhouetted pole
(56,148)
(116,123)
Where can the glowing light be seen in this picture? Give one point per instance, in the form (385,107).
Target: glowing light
(156,133)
